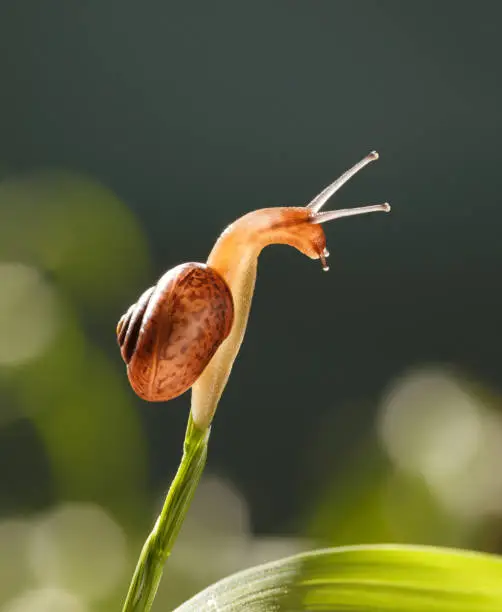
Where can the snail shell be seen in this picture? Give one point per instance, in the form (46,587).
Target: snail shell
(169,336)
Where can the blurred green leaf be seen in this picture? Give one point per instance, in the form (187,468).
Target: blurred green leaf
(363,578)
(77,231)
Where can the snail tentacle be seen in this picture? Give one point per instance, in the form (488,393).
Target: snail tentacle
(320,200)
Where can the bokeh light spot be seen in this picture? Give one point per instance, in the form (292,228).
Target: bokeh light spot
(45,600)
(219,508)
(79,547)
(14,538)
(431,426)
(28,313)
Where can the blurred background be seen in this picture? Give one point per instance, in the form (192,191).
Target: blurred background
(365,405)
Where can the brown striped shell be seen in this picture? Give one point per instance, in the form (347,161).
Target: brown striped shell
(169,336)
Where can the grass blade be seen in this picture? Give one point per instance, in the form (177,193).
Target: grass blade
(382,578)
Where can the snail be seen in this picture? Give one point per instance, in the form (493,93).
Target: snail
(185,332)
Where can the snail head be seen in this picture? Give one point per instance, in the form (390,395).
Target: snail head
(297,226)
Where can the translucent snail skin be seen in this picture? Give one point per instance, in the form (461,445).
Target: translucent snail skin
(186,331)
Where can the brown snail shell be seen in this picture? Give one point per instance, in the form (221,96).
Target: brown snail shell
(169,336)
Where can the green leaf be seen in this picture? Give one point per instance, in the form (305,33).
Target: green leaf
(365,579)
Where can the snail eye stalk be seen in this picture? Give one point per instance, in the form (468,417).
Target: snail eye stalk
(331,215)
(320,200)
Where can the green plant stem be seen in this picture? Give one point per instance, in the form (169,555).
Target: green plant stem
(159,543)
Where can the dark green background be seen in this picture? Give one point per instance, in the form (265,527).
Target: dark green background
(195,113)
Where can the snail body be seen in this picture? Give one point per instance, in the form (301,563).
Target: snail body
(186,331)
